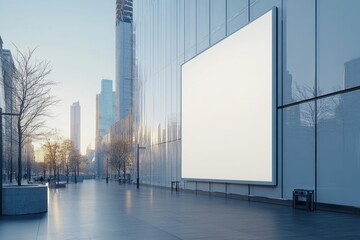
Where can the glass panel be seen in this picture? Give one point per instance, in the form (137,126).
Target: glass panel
(299,148)
(203,25)
(190,29)
(299,55)
(339,149)
(237,15)
(180,30)
(259,7)
(338,45)
(218,20)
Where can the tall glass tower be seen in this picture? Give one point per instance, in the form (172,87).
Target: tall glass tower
(105,108)
(124,49)
(75,125)
(104,119)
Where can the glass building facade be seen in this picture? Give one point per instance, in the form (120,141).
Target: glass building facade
(318,68)
(2,75)
(7,103)
(8,70)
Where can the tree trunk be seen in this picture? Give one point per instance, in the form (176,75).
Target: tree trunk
(124,172)
(54,168)
(75,174)
(119,175)
(28,169)
(67,172)
(20,153)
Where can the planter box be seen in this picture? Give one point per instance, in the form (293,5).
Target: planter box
(26,199)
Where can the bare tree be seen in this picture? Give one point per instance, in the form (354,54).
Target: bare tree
(66,154)
(120,154)
(75,163)
(323,109)
(32,92)
(52,152)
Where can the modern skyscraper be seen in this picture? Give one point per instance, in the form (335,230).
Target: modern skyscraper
(75,125)
(124,56)
(105,117)
(2,91)
(105,108)
(7,70)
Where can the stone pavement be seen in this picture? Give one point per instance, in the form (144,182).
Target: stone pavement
(96,210)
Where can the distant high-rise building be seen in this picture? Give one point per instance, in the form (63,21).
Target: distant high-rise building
(2,94)
(75,125)
(105,108)
(105,117)
(124,56)
(7,103)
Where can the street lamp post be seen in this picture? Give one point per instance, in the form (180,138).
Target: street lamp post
(107,169)
(137,166)
(45,170)
(1,155)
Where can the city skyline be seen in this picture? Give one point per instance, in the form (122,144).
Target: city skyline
(79,46)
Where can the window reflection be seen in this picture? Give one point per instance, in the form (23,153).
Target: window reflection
(190,29)
(338,149)
(299,147)
(259,7)
(237,15)
(299,51)
(338,45)
(203,25)
(218,20)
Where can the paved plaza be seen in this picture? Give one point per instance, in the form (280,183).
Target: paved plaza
(96,210)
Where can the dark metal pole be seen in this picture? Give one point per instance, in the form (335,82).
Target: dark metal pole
(137,167)
(107,169)
(45,170)
(28,160)
(11,141)
(1,164)
(11,149)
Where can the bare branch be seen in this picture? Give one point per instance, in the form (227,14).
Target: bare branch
(32,92)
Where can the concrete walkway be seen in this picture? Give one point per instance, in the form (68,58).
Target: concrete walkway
(96,210)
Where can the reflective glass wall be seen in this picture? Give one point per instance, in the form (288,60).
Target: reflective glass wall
(318,83)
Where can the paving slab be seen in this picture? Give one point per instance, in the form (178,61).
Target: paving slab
(96,210)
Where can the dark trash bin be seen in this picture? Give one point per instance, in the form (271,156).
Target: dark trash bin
(303,199)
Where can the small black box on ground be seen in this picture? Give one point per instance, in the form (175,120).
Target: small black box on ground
(303,199)
(175,185)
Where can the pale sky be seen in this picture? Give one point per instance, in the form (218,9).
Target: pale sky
(78,38)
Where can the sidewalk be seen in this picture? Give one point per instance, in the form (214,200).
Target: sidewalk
(96,210)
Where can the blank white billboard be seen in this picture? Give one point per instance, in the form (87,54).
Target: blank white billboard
(228,108)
